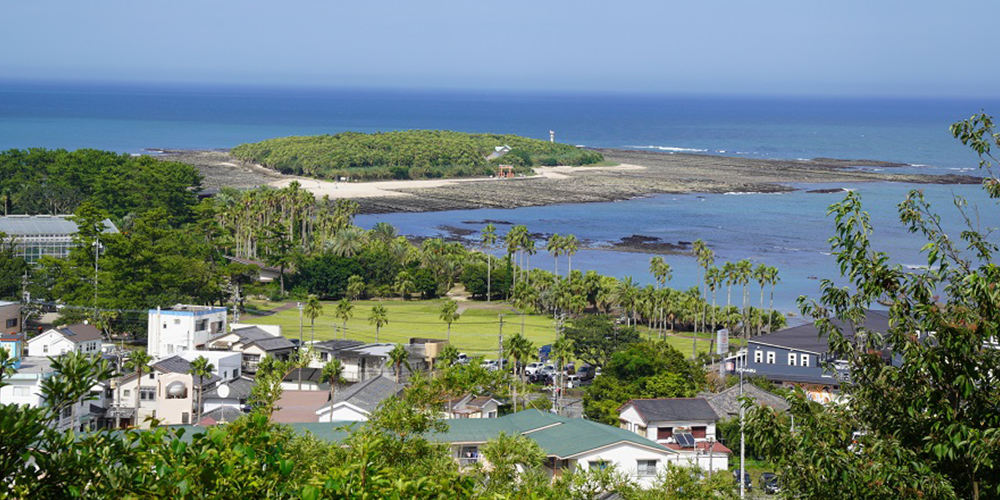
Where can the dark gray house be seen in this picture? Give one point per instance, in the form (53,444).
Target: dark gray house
(800,356)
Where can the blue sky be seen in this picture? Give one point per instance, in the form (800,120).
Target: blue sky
(806,47)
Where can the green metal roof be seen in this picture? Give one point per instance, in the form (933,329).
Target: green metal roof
(559,436)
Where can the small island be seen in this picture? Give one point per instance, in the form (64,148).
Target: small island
(411,154)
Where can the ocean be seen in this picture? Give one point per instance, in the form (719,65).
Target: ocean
(788,230)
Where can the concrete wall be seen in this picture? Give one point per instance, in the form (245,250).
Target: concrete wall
(171,332)
(10,311)
(625,457)
(50,343)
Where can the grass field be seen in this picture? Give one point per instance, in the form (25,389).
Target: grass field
(475,333)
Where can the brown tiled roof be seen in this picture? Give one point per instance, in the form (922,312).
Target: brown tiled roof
(299,406)
(717,447)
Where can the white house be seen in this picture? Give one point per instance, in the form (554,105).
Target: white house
(685,425)
(472,406)
(24,387)
(225,364)
(167,391)
(58,341)
(183,328)
(357,402)
(254,343)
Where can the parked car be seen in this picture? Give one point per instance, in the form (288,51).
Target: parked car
(746,479)
(572,381)
(533,367)
(462,359)
(548,370)
(489,364)
(569,369)
(769,483)
(540,378)
(586,373)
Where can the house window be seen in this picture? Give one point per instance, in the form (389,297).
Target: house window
(597,465)
(45,348)
(21,392)
(700,432)
(126,393)
(150,376)
(646,468)
(11,323)
(791,359)
(236,372)
(758,356)
(185,418)
(770,357)
(468,455)
(323,356)
(225,374)
(805,360)
(170,348)
(664,433)
(202,325)
(67,412)
(147,394)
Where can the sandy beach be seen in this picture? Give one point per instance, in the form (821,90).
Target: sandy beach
(637,173)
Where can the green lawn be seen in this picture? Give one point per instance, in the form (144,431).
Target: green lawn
(475,333)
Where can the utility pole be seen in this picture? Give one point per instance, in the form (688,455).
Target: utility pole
(500,350)
(301,307)
(743,469)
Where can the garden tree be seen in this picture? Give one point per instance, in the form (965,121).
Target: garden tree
(378,317)
(333,373)
(137,362)
(480,282)
(200,368)
(489,238)
(355,287)
(313,310)
(929,419)
(328,275)
(12,268)
(400,357)
(449,314)
(279,250)
(646,369)
(345,309)
(511,465)
(596,338)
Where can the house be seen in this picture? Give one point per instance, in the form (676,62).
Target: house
(183,328)
(472,406)
(167,391)
(11,337)
(254,343)
(498,152)
(727,404)
(357,402)
(232,394)
(56,341)
(800,357)
(328,349)
(305,379)
(371,360)
(35,236)
(24,387)
(685,425)
(265,273)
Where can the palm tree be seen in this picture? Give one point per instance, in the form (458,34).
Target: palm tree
(744,270)
(555,247)
(355,286)
(489,238)
(201,368)
(138,361)
(313,310)
(562,349)
(448,355)
(706,257)
(772,279)
(400,358)
(449,314)
(626,296)
(660,270)
(520,349)
(333,372)
(404,284)
(384,232)
(348,242)
(760,276)
(569,247)
(378,317)
(345,309)
(713,278)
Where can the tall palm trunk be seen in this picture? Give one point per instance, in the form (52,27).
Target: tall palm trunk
(770,316)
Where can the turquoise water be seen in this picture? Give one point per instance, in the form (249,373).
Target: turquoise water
(787,230)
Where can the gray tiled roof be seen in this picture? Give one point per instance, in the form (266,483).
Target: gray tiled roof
(272,343)
(807,338)
(336,345)
(369,394)
(80,333)
(674,409)
(39,225)
(308,374)
(238,389)
(177,364)
(223,414)
(246,335)
(727,404)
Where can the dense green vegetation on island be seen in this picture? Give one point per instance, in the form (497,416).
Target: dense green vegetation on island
(412,154)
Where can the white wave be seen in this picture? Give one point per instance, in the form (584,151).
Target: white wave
(722,150)
(671,149)
(961,169)
(918,165)
(826,253)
